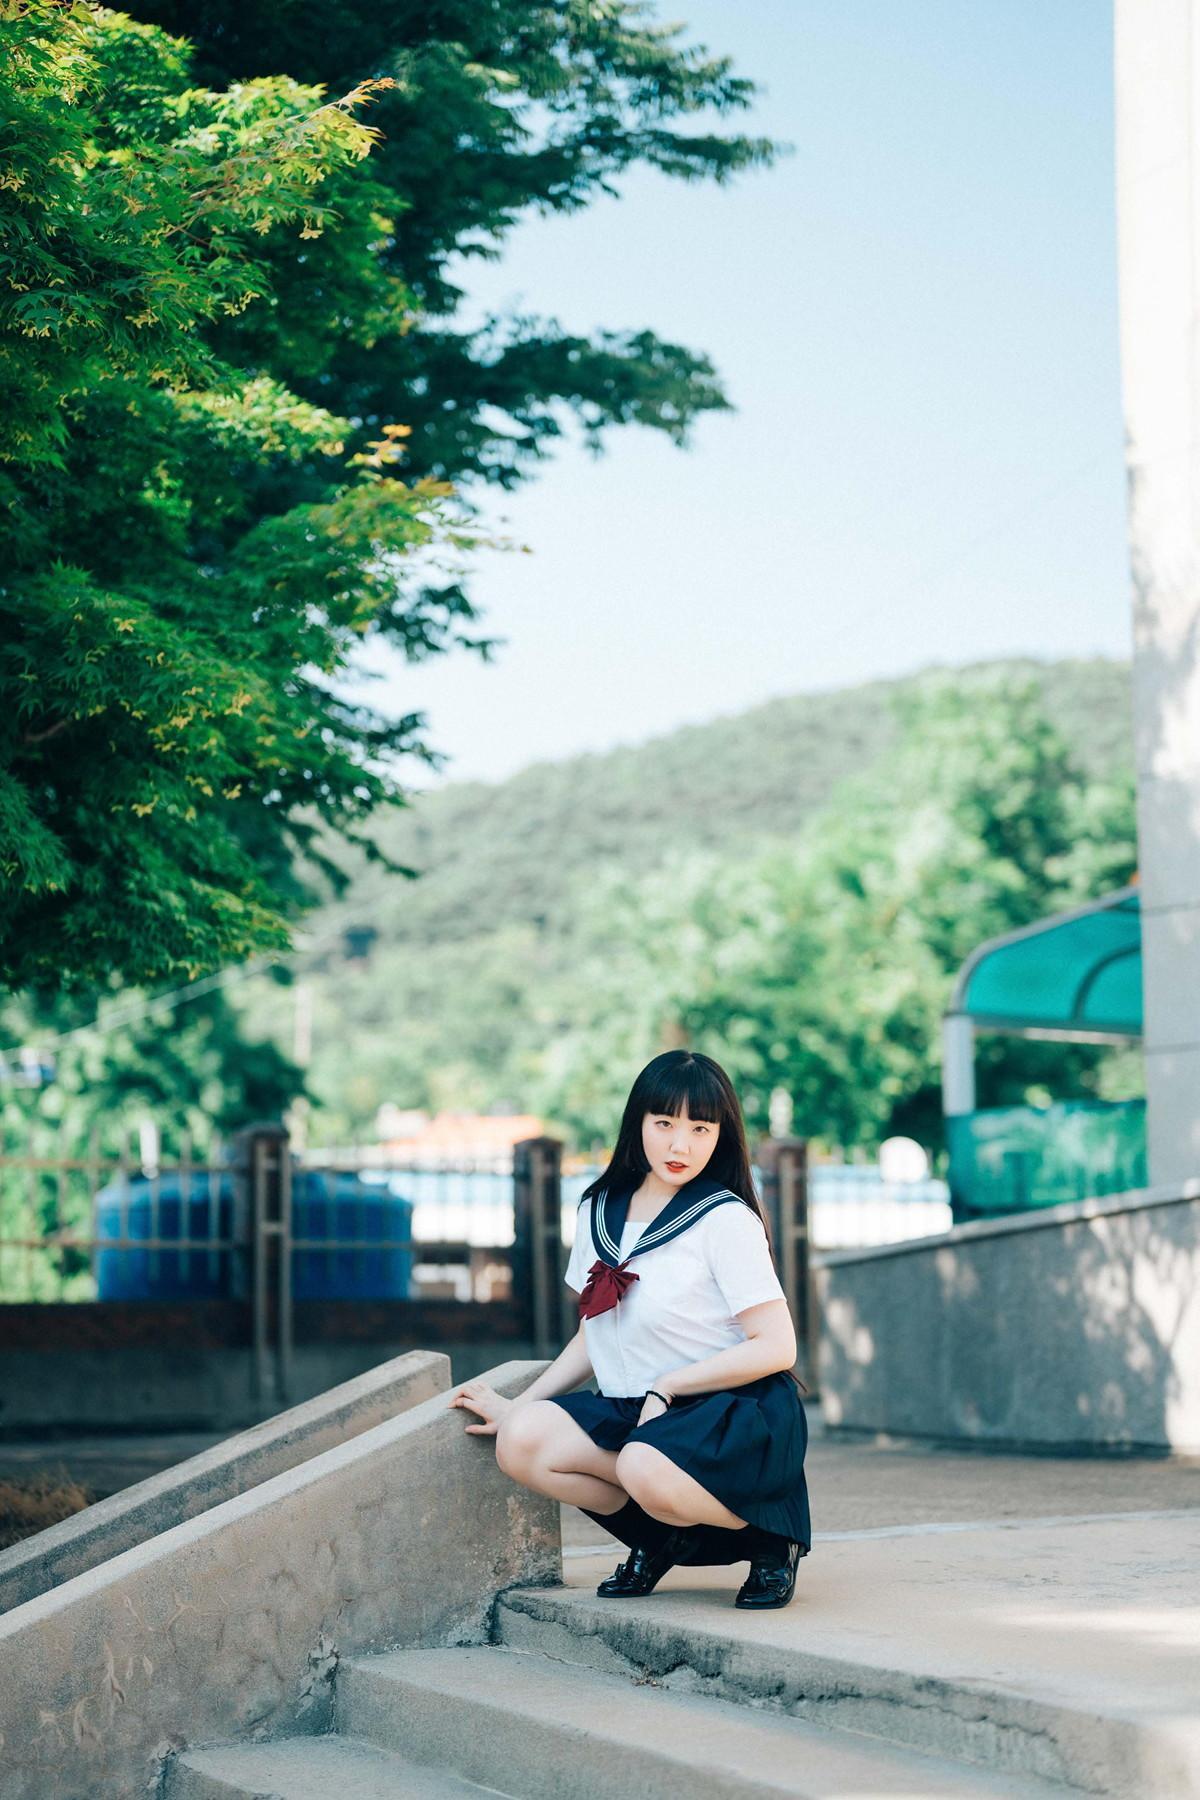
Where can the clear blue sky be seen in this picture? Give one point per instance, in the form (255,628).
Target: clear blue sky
(914,314)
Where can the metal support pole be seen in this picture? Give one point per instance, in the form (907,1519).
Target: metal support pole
(958,1103)
(784,1165)
(958,1064)
(537,1256)
(264,1163)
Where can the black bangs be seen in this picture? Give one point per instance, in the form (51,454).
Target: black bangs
(689,1087)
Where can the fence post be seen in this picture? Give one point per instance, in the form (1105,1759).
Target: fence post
(263,1161)
(784,1165)
(537,1253)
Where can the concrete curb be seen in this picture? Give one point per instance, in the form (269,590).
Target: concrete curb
(219,1473)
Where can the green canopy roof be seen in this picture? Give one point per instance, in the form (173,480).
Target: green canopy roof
(1076,974)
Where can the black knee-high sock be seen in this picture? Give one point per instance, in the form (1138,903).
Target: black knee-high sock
(711,1544)
(632,1525)
(771,1545)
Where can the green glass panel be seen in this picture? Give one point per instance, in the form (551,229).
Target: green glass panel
(1009,1159)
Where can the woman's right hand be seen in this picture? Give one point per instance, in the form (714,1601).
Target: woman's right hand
(483,1400)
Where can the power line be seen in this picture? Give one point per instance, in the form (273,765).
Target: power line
(220,978)
(946,565)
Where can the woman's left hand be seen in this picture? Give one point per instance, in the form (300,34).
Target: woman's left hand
(483,1400)
(652,1408)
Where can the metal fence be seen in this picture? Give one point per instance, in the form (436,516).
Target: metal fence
(267,1229)
(61,1214)
(133,1223)
(254,1231)
(452,1211)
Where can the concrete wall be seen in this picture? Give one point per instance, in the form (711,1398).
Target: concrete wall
(231,1626)
(1158,217)
(231,1467)
(44,1393)
(1076,1327)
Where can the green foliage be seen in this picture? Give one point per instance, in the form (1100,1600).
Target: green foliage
(844,852)
(198,1068)
(191,554)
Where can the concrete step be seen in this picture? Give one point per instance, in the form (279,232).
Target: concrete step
(545,1729)
(775,1663)
(310,1768)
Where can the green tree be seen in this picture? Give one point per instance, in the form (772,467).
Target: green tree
(217,314)
(198,1067)
(191,555)
(214,321)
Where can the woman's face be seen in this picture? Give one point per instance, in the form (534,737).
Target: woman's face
(677,1148)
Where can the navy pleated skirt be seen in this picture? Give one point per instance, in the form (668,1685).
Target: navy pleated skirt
(744,1445)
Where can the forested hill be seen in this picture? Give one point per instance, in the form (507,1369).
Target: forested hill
(492,853)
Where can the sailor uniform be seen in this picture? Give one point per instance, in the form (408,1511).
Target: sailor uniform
(657,1296)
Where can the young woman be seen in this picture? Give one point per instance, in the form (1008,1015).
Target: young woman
(690,1449)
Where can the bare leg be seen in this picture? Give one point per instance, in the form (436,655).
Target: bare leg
(543,1448)
(662,1489)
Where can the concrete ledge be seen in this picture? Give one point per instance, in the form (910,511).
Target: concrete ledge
(232,1624)
(218,1473)
(1039,1219)
(1072,1328)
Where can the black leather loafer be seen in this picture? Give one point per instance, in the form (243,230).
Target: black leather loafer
(644,1568)
(772,1577)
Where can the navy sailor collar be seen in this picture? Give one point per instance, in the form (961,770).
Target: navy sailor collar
(693,1200)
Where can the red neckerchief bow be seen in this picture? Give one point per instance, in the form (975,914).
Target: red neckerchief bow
(604,1287)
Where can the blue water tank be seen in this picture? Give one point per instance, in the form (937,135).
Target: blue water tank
(343,1206)
(325,1206)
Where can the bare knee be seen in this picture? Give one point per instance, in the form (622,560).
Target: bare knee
(522,1438)
(641,1472)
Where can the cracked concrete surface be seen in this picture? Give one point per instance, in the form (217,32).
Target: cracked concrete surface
(1069,1648)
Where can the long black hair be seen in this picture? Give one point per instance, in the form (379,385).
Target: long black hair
(680,1081)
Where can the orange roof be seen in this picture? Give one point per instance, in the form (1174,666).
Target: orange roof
(473,1131)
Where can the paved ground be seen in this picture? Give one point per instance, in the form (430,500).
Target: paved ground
(863,1483)
(1087,1632)
(855,1483)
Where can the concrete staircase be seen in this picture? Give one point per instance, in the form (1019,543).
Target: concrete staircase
(1019,1641)
(580,1698)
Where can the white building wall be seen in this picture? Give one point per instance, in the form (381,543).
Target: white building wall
(1158,214)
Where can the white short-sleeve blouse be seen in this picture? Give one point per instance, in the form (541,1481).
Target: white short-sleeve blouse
(684,1304)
